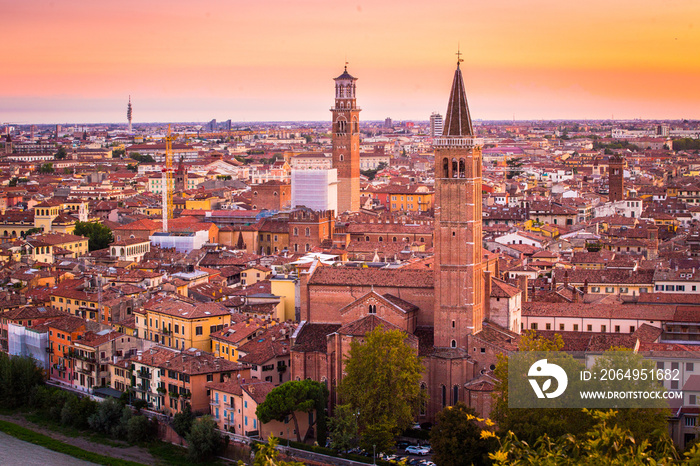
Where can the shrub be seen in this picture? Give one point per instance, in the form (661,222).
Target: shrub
(203,440)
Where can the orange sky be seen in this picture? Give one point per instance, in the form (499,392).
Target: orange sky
(77,61)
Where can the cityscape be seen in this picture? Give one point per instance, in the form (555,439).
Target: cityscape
(285,254)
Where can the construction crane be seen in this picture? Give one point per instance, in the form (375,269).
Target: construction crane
(167,181)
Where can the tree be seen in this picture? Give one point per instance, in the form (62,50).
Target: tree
(531,424)
(513,167)
(108,415)
(604,442)
(383,360)
(182,421)
(268,455)
(99,235)
(343,428)
(61,153)
(46,168)
(139,429)
(292,397)
(456,438)
(203,440)
(118,153)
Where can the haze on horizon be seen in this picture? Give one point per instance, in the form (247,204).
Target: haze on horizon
(179,60)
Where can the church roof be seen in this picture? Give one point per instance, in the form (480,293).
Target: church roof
(458,121)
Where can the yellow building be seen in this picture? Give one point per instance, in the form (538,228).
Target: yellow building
(204,203)
(50,246)
(53,215)
(179,323)
(225,342)
(408,199)
(285,288)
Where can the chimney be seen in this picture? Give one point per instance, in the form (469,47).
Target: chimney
(566,278)
(522,281)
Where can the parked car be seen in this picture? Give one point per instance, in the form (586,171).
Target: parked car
(401,444)
(416,450)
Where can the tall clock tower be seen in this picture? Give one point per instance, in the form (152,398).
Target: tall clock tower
(346,142)
(459,269)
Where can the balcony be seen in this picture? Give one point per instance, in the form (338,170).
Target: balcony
(144,374)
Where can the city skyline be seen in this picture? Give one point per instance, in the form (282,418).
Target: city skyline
(179,61)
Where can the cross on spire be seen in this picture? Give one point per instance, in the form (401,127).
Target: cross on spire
(459,56)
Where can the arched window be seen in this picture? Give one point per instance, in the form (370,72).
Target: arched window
(308,231)
(296,231)
(455,394)
(445,168)
(366,238)
(381,239)
(274,193)
(462,168)
(393,239)
(372,308)
(453,343)
(443,389)
(455,170)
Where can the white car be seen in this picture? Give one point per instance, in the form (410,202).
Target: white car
(416,450)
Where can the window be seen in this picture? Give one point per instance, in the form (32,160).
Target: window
(589,328)
(548,326)
(689,366)
(659,365)
(575,327)
(372,308)
(198,330)
(609,289)
(617,329)
(692,399)
(533,326)
(595,289)
(453,344)
(561,327)
(603,328)
(674,385)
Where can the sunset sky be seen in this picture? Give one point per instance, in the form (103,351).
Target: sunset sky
(267,60)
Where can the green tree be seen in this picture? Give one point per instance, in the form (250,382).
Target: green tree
(383,360)
(456,438)
(514,165)
(268,455)
(108,415)
(292,397)
(604,443)
(46,168)
(139,429)
(61,153)
(182,421)
(19,376)
(99,235)
(343,428)
(203,440)
(118,153)
(531,424)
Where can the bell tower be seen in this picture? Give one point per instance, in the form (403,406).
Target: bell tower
(459,269)
(346,142)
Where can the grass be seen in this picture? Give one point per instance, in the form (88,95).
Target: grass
(36,438)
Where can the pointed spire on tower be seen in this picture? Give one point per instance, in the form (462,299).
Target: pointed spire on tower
(458,122)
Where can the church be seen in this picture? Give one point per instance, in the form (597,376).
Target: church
(456,315)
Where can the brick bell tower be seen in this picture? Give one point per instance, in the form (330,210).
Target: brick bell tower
(459,276)
(346,142)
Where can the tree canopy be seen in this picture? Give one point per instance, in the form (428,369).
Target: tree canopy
(292,397)
(605,442)
(99,235)
(531,425)
(61,153)
(382,385)
(456,438)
